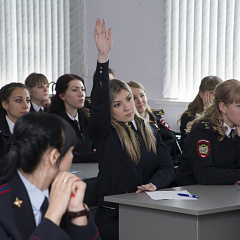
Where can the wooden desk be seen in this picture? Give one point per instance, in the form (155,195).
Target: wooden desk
(214,216)
(88,173)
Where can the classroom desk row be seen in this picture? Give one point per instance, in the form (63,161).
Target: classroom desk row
(215,215)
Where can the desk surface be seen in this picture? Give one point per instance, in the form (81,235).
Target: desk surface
(85,170)
(212,199)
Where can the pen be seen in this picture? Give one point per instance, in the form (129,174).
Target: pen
(187,195)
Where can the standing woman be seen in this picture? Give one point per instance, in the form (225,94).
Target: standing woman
(212,153)
(203,99)
(130,159)
(68,103)
(40,155)
(15,101)
(38,86)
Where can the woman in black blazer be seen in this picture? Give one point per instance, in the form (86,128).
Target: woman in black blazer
(68,103)
(132,156)
(38,86)
(15,101)
(40,155)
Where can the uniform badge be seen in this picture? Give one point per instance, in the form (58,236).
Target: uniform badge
(165,124)
(203,148)
(18,202)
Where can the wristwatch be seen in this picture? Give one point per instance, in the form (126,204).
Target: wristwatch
(84,212)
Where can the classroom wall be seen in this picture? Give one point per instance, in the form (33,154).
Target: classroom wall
(137,53)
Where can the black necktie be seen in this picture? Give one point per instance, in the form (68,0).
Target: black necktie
(76,122)
(44,207)
(232,133)
(132,126)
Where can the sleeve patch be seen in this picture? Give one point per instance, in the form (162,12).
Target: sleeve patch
(203,148)
(164,123)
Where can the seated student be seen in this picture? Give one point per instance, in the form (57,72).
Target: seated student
(203,99)
(131,158)
(68,103)
(168,136)
(87,103)
(15,101)
(38,86)
(40,155)
(212,154)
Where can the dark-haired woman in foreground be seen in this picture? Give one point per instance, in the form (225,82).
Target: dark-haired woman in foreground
(40,155)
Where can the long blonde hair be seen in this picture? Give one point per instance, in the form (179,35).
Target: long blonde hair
(130,140)
(134,84)
(227,92)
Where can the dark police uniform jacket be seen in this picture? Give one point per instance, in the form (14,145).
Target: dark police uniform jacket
(168,136)
(17,220)
(83,150)
(207,160)
(117,172)
(4,135)
(185,119)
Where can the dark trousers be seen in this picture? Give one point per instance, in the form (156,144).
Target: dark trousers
(107,221)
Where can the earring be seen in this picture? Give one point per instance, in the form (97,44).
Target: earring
(224,113)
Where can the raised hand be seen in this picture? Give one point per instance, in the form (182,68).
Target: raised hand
(103,40)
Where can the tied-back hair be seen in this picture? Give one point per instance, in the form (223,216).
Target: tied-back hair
(129,139)
(134,84)
(35,79)
(5,93)
(227,92)
(57,104)
(33,134)
(208,83)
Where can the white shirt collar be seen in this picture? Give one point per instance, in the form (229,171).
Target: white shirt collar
(71,117)
(11,124)
(36,196)
(134,124)
(228,131)
(36,107)
(147,116)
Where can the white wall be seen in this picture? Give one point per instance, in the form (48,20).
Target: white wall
(137,53)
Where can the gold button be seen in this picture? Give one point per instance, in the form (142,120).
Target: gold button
(100,71)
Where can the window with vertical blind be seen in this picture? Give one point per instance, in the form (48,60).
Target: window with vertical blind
(202,37)
(34,37)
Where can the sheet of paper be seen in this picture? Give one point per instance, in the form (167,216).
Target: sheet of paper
(159,195)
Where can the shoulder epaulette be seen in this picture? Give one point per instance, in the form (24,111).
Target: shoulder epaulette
(4,188)
(190,114)
(88,99)
(206,125)
(158,112)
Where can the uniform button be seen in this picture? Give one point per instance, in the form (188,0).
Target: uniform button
(100,71)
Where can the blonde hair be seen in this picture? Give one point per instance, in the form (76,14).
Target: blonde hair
(130,141)
(227,92)
(134,84)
